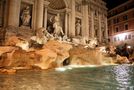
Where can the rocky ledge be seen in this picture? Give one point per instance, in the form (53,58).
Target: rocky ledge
(22,53)
(53,54)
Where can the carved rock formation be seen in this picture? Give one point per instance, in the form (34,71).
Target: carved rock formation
(47,59)
(62,50)
(12,41)
(51,55)
(82,56)
(122,59)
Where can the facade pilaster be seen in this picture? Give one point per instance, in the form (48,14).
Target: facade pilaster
(46,3)
(85,21)
(92,24)
(100,30)
(106,30)
(14,12)
(39,14)
(67,12)
(72,19)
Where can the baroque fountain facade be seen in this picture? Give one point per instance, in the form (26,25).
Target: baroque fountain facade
(54,26)
(86,18)
(50,34)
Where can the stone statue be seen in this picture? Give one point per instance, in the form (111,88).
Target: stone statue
(93,42)
(58,31)
(78,27)
(25,17)
(40,38)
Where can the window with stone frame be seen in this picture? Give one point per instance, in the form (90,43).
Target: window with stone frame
(116,29)
(117,20)
(129,36)
(115,39)
(126,27)
(109,22)
(119,39)
(114,21)
(126,37)
(125,17)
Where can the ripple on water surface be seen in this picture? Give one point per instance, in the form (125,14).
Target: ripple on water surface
(119,77)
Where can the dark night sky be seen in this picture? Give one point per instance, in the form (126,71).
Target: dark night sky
(113,3)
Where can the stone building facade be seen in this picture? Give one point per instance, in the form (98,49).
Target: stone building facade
(88,17)
(121,23)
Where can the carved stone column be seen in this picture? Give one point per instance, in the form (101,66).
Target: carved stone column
(100,31)
(14,12)
(46,3)
(66,23)
(106,30)
(92,24)
(85,21)
(66,20)
(72,19)
(39,14)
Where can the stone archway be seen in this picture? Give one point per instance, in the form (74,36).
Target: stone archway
(57,4)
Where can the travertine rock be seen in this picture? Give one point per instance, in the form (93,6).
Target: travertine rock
(6,54)
(82,56)
(19,58)
(6,49)
(53,54)
(62,50)
(47,59)
(122,59)
(7,71)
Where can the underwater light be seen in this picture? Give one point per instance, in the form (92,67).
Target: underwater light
(128,46)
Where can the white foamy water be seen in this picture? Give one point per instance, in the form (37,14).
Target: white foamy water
(69,67)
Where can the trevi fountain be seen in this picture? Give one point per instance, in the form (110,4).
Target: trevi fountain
(59,49)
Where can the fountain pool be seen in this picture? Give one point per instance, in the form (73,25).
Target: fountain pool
(119,77)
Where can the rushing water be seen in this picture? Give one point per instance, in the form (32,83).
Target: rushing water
(88,78)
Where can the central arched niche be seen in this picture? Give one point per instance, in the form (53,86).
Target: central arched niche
(57,4)
(56,7)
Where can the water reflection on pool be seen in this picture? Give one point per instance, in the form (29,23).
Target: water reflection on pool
(96,78)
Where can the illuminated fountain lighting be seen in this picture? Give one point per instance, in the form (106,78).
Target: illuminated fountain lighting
(129,47)
(121,36)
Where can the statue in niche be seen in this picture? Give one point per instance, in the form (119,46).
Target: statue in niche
(78,27)
(25,17)
(58,31)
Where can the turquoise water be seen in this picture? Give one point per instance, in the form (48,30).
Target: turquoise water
(96,78)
